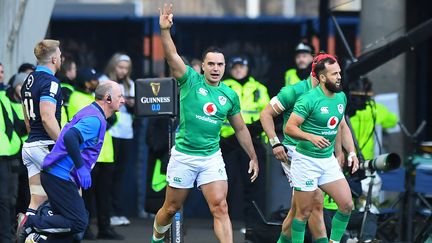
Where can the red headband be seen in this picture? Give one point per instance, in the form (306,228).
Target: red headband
(318,58)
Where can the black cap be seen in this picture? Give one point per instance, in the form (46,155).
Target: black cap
(238,60)
(304,48)
(86,75)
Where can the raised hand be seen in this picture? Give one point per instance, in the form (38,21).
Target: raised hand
(166,17)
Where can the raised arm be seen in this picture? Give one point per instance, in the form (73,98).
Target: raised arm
(177,66)
(244,138)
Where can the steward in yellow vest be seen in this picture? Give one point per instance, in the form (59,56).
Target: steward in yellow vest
(252,94)
(303,59)
(363,122)
(253,99)
(10,145)
(14,95)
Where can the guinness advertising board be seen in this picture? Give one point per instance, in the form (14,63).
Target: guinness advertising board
(156,97)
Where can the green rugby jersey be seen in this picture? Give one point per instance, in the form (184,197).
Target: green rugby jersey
(203,109)
(287,97)
(322,116)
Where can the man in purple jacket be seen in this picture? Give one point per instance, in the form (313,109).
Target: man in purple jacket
(67,168)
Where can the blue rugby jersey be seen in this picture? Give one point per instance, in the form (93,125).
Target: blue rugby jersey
(41,85)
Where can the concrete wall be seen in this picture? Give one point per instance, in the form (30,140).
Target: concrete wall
(22,23)
(378,20)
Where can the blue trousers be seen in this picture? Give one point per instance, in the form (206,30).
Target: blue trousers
(70,215)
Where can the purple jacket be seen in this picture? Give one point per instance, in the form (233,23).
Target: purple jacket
(89,154)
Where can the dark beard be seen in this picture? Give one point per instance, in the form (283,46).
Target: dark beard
(332,87)
(303,73)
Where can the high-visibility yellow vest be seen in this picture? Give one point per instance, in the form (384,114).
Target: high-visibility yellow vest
(8,146)
(253,99)
(17,107)
(291,77)
(364,121)
(65,117)
(79,100)
(68,86)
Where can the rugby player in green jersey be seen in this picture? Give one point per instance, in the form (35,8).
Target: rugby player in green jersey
(205,103)
(283,103)
(314,121)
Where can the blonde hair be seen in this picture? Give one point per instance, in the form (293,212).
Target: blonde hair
(44,49)
(110,69)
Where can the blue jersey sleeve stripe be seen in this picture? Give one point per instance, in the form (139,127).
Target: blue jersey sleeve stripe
(48,98)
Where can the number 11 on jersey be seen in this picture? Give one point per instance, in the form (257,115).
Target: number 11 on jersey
(28,104)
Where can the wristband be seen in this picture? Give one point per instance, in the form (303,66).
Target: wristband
(274,141)
(278,145)
(351,155)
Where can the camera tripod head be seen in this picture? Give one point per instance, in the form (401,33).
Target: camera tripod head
(413,136)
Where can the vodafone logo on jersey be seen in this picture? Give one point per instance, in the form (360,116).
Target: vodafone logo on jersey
(332,122)
(209,109)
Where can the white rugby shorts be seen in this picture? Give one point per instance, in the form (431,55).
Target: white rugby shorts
(183,169)
(308,173)
(33,155)
(287,166)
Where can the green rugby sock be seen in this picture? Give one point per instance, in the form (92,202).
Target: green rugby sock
(339,224)
(157,240)
(322,240)
(298,231)
(284,239)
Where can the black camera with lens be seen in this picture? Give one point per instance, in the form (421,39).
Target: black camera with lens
(383,162)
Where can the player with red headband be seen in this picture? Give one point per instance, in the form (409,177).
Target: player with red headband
(315,120)
(283,103)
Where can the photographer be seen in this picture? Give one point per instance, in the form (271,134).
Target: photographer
(365,114)
(253,98)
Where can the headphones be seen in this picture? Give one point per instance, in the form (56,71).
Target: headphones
(109,99)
